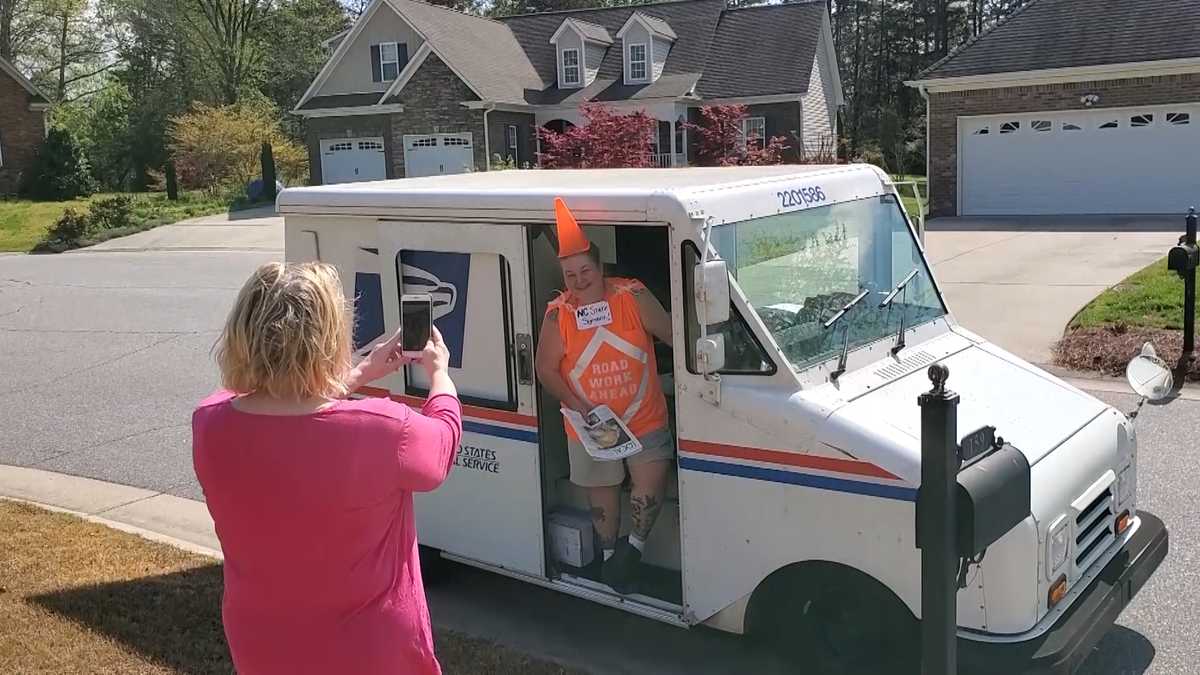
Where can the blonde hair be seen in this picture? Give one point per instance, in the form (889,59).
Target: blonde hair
(288,335)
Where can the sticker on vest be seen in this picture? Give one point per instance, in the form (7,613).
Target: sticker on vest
(593,315)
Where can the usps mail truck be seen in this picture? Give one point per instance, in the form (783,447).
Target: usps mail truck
(805,317)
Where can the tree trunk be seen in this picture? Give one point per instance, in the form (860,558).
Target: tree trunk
(8,9)
(64,23)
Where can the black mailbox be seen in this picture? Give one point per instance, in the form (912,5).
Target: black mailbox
(1183,258)
(992,497)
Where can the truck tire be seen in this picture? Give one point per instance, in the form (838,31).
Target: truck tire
(828,618)
(433,565)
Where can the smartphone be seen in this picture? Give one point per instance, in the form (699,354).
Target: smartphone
(416,323)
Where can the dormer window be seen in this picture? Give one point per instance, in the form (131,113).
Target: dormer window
(580,47)
(637,62)
(570,61)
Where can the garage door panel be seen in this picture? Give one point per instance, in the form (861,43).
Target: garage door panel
(347,160)
(1079,163)
(438,154)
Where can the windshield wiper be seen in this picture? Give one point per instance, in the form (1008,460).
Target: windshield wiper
(901,287)
(841,366)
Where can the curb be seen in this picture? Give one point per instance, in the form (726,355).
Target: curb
(126,527)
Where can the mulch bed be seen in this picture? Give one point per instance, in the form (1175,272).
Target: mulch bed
(1108,349)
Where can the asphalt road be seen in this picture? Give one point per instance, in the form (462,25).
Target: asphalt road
(103,356)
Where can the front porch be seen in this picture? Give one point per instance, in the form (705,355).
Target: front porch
(669,146)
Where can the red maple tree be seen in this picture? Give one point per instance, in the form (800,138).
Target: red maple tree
(719,139)
(606,140)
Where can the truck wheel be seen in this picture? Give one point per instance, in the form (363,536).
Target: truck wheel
(827,618)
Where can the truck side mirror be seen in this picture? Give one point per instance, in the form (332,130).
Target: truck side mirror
(712,292)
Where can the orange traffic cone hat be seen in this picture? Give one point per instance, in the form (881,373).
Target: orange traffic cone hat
(571,240)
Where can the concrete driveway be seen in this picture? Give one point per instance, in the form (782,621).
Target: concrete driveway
(258,229)
(1019,281)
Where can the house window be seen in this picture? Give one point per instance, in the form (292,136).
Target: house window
(510,142)
(1179,118)
(637,62)
(982,131)
(570,60)
(1041,126)
(455,141)
(1138,121)
(1010,127)
(340,147)
(754,132)
(370,145)
(1111,124)
(388,59)
(1071,126)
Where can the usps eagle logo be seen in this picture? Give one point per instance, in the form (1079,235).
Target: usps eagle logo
(444,294)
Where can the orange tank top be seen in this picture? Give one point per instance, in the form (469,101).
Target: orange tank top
(608,357)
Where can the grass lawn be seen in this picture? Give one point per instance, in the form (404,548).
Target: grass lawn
(907,196)
(24,223)
(1151,298)
(77,597)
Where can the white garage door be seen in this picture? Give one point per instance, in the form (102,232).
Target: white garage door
(436,154)
(1121,160)
(345,160)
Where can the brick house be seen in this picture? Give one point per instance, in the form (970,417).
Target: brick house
(415,89)
(1069,107)
(22,125)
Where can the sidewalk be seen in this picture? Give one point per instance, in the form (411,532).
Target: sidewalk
(258,229)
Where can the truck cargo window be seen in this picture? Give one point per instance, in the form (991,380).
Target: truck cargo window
(744,354)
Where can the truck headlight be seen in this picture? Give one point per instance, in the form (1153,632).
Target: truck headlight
(1057,546)
(1126,482)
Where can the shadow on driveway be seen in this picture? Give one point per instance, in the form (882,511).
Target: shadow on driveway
(1099,223)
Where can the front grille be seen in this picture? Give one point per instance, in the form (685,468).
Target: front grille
(1094,530)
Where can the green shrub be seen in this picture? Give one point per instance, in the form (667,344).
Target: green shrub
(71,225)
(60,171)
(110,213)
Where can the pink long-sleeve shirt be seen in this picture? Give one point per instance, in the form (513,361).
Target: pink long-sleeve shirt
(315,517)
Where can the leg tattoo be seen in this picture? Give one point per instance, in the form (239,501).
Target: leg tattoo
(644,510)
(600,524)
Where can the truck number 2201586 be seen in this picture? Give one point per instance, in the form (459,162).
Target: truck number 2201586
(789,199)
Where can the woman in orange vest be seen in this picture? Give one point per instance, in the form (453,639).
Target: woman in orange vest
(596,348)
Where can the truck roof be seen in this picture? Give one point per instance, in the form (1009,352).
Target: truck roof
(622,190)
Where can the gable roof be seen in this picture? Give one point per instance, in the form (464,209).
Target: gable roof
(483,52)
(655,25)
(737,65)
(1052,34)
(36,97)
(586,30)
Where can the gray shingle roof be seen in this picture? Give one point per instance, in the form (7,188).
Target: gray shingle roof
(592,31)
(482,51)
(341,101)
(763,50)
(1071,33)
(658,26)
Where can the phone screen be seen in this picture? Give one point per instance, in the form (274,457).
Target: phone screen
(416,318)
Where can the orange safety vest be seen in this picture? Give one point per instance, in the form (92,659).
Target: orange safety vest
(608,357)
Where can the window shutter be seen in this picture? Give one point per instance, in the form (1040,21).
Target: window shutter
(376,69)
(401,55)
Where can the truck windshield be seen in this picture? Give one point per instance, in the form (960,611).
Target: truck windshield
(799,269)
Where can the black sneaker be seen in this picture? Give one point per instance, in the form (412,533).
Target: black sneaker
(620,571)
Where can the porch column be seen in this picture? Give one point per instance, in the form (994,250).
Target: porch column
(673,151)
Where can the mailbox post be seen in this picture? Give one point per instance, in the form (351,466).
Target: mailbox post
(1183,260)
(937,526)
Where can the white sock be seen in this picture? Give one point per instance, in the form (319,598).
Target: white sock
(608,553)
(637,542)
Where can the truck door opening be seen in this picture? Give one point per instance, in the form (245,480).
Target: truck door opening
(633,252)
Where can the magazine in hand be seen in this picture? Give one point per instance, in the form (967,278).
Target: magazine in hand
(603,434)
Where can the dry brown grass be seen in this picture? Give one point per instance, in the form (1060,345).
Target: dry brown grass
(77,597)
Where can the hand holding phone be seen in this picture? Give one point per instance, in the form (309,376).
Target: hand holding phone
(416,324)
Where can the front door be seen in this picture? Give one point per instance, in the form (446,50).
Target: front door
(490,508)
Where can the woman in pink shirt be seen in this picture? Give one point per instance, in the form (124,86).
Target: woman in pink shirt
(311,493)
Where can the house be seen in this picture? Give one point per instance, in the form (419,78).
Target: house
(1069,107)
(414,89)
(22,125)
